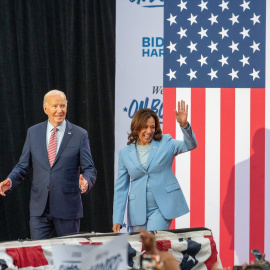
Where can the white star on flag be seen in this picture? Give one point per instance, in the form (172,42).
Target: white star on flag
(192,19)
(224,5)
(233,74)
(213,46)
(203,5)
(244,60)
(202,33)
(182,60)
(255,74)
(182,32)
(245,5)
(234,19)
(245,32)
(172,47)
(234,46)
(213,19)
(223,60)
(192,46)
(172,19)
(171,74)
(213,74)
(255,19)
(255,46)
(202,60)
(182,5)
(192,74)
(224,33)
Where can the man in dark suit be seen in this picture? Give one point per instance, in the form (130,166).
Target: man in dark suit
(59,155)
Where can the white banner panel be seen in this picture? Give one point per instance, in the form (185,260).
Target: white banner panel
(139,64)
(110,255)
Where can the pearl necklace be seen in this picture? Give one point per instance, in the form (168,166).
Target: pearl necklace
(143,148)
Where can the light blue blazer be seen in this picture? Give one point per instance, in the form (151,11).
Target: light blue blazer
(132,179)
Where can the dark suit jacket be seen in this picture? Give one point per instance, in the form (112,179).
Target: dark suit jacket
(62,179)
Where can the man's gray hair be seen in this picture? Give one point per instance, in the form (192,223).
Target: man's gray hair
(52,93)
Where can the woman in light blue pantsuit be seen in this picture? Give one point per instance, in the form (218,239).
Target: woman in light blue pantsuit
(145,176)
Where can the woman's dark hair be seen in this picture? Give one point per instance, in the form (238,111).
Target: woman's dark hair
(138,122)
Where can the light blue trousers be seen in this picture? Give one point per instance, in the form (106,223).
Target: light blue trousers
(155,221)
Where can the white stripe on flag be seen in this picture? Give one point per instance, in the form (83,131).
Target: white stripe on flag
(182,162)
(242,174)
(212,161)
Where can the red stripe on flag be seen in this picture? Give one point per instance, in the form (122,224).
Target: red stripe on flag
(197,159)
(227,175)
(257,168)
(169,124)
(213,258)
(27,256)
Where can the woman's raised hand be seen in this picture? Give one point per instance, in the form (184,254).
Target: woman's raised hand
(182,113)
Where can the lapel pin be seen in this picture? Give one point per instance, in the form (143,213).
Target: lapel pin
(69,133)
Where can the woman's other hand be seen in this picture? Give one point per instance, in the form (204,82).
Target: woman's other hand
(116,228)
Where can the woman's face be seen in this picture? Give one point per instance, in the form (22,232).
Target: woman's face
(147,132)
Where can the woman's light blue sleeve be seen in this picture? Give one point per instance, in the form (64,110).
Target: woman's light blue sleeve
(188,143)
(121,189)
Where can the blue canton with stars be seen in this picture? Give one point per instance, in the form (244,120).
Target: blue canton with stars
(214,43)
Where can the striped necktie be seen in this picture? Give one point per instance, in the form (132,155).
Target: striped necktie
(52,147)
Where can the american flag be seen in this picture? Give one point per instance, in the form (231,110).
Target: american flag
(215,58)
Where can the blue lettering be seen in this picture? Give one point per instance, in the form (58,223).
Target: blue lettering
(156,106)
(146,42)
(145,51)
(144,104)
(154,52)
(155,103)
(159,41)
(160,113)
(133,103)
(153,41)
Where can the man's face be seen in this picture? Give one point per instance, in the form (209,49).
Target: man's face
(56,109)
